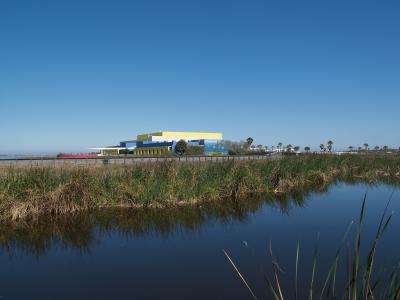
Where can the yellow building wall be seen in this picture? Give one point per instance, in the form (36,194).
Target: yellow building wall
(184,134)
(151,151)
(145,136)
(109,152)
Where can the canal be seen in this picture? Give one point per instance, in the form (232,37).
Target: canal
(178,253)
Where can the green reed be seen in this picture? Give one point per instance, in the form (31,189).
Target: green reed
(359,284)
(26,192)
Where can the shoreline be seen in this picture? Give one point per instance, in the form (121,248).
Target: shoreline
(31,192)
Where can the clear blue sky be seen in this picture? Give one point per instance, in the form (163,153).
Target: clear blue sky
(75,74)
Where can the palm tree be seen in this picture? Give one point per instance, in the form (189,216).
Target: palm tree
(272,148)
(359,148)
(289,147)
(330,143)
(322,147)
(307,149)
(296,148)
(385,148)
(351,148)
(249,141)
(280,146)
(366,146)
(376,148)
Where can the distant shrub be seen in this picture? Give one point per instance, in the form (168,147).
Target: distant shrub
(124,151)
(181,147)
(194,150)
(236,148)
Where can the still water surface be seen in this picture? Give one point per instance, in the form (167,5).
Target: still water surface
(178,254)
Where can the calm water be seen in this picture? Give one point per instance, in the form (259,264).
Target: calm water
(178,254)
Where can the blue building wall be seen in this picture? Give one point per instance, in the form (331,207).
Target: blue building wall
(214,147)
(127,144)
(210,146)
(146,144)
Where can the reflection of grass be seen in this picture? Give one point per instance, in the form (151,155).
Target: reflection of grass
(78,231)
(360,283)
(56,191)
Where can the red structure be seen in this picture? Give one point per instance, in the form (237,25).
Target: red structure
(79,155)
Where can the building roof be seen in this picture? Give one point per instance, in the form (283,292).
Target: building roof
(111,148)
(182,134)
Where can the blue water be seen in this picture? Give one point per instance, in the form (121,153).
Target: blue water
(179,255)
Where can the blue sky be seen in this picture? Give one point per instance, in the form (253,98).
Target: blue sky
(75,74)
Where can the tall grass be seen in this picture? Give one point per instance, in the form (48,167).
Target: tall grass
(360,284)
(27,192)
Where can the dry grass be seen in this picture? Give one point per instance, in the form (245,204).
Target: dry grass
(31,192)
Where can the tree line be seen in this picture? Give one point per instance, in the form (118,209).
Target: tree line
(249,146)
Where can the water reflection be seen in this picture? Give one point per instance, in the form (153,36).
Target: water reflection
(82,231)
(79,231)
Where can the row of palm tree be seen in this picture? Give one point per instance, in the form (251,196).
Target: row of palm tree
(366,147)
(289,147)
(280,147)
(328,147)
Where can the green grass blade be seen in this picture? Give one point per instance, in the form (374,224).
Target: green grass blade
(348,268)
(396,294)
(277,269)
(371,255)
(392,280)
(356,262)
(271,287)
(240,275)
(278,285)
(297,269)
(311,291)
(331,277)
(310,295)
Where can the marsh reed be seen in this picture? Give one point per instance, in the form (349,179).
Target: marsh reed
(30,192)
(361,282)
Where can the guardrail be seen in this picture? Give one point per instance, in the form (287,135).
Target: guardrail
(118,160)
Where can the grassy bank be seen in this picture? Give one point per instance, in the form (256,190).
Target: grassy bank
(54,191)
